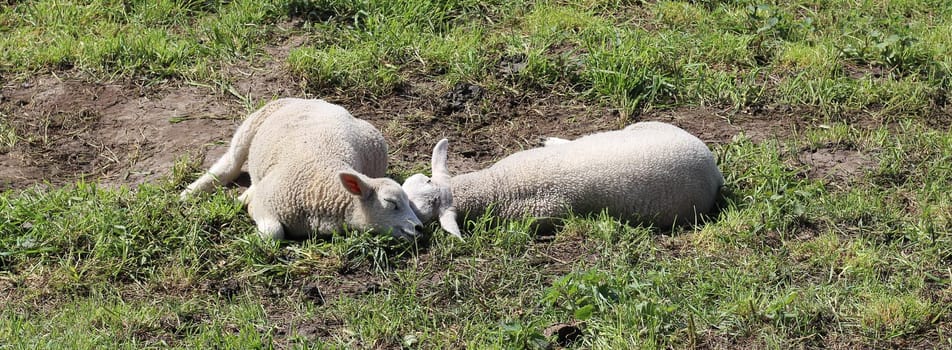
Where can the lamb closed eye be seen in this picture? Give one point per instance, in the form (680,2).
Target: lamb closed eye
(392,204)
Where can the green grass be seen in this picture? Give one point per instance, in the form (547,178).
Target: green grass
(143,39)
(838,57)
(791,261)
(8,134)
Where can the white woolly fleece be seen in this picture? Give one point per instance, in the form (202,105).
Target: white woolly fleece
(299,153)
(650,172)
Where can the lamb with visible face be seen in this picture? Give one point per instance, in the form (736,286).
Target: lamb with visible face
(649,172)
(315,169)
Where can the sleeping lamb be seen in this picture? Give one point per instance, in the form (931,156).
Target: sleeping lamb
(315,169)
(649,172)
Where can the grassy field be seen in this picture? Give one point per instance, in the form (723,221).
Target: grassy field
(804,254)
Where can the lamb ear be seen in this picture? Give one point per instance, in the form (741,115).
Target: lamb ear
(441,173)
(355,184)
(448,222)
(441,177)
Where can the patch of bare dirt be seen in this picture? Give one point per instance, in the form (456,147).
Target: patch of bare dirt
(266,77)
(720,126)
(836,166)
(559,254)
(286,323)
(360,282)
(482,126)
(122,133)
(110,133)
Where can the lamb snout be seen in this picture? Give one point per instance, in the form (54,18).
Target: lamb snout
(412,230)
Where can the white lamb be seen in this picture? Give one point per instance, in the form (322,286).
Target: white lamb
(649,172)
(315,169)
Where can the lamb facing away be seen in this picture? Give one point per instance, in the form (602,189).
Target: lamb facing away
(649,172)
(315,169)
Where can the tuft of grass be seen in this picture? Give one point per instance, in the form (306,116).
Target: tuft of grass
(8,135)
(343,67)
(892,316)
(153,40)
